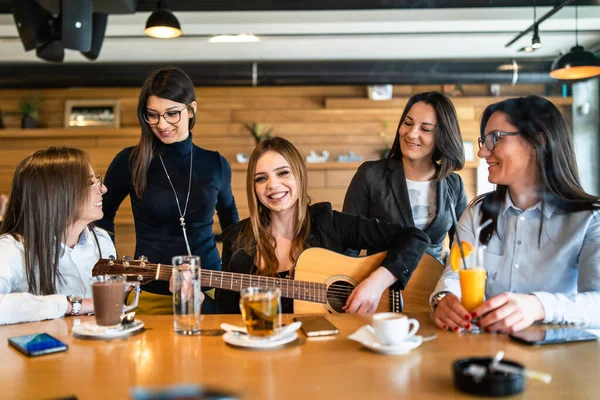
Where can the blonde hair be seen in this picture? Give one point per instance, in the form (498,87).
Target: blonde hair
(255,237)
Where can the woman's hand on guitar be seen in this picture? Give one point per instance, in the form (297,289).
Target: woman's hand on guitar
(450,314)
(186,287)
(366,296)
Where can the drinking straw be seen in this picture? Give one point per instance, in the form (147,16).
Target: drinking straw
(460,248)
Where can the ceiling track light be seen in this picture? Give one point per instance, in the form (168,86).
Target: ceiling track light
(576,64)
(535,40)
(539,21)
(162,23)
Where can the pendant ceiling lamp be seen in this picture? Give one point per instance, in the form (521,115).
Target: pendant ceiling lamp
(535,40)
(576,64)
(162,23)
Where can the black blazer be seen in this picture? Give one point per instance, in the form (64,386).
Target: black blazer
(334,231)
(379,190)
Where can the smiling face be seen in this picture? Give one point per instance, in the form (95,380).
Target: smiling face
(417,132)
(513,161)
(92,208)
(166,132)
(274,183)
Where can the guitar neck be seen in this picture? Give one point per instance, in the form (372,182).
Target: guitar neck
(289,288)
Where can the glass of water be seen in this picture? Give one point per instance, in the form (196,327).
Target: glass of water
(187,297)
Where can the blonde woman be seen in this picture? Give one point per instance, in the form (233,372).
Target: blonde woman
(282,224)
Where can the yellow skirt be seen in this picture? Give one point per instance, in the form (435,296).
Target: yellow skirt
(159,304)
(154,304)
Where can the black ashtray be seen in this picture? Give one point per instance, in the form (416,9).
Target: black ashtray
(488,383)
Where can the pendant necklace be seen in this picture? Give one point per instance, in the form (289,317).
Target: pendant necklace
(181,214)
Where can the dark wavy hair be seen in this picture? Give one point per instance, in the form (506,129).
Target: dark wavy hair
(167,83)
(49,190)
(449,153)
(541,124)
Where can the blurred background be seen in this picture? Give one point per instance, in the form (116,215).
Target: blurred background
(319,73)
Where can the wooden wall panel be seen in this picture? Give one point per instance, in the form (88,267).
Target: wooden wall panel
(333,118)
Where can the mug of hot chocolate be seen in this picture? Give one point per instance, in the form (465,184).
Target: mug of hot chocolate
(108,294)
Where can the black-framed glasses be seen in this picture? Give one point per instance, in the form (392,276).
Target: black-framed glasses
(491,138)
(172,117)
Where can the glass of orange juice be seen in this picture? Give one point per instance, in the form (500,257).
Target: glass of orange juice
(472,285)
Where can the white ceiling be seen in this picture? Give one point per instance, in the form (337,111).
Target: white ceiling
(475,33)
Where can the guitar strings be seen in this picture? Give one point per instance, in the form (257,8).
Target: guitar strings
(229,277)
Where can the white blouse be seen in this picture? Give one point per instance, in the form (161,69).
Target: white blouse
(75,266)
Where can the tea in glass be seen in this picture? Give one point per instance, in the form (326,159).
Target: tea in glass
(260,311)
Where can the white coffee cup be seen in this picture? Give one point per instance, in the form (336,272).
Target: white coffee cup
(393,328)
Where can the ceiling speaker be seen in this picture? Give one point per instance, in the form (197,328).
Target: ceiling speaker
(31,20)
(76,24)
(51,51)
(99,21)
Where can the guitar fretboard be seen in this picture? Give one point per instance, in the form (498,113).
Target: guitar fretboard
(299,290)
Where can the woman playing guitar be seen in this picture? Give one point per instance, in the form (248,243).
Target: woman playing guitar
(282,224)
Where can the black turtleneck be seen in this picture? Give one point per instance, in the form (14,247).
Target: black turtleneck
(157,228)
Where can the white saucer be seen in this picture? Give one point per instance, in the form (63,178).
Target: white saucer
(240,340)
(366,337)
(90,329)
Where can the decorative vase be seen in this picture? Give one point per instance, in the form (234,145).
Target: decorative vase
(28,123)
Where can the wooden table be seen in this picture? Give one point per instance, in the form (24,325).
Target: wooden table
(336,368)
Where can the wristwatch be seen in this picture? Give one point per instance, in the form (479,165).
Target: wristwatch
(75,304)
(435,300)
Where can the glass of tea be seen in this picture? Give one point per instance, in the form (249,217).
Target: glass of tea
(261,311)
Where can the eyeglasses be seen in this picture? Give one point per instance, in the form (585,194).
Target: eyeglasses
(172,117)
(491,138)
(98,182)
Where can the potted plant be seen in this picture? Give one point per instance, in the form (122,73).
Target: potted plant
(385,151)
(29,113)
(258,132)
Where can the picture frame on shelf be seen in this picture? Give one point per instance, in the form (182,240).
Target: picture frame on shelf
(380,92)
(92,113)
(469,151)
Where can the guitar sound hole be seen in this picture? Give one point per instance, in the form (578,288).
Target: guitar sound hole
(337,294)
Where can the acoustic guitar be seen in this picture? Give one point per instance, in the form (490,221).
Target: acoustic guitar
(323,279)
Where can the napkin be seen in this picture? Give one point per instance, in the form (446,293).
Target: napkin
(365,336)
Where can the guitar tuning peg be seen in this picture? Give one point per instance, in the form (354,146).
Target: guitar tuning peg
(111,257)
(127,258)
(143,258)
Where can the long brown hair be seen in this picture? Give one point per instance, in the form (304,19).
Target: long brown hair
(49,190)
(449,153)
(255,236)
(542,125)
(167,83)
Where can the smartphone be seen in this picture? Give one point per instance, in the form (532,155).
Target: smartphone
(37,344)
(179,392)
(317,326)
(537,337)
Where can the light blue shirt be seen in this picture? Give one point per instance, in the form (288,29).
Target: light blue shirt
(562,270)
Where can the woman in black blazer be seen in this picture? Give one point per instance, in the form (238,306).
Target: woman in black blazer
(282,224)
(416,185)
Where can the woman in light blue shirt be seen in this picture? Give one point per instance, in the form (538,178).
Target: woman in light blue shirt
(542,253)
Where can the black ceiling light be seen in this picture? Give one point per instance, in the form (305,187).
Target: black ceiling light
(576,64)
(162,23)
(535,40)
